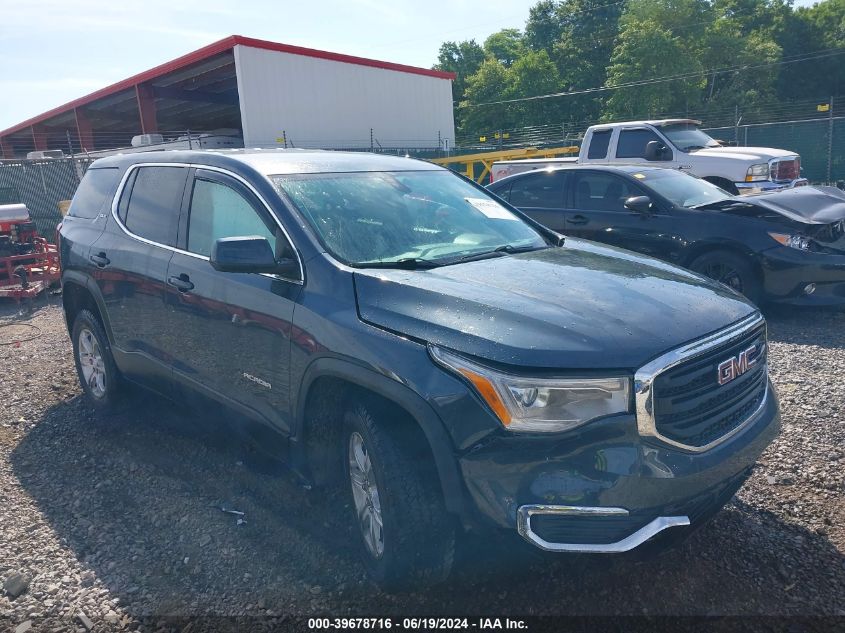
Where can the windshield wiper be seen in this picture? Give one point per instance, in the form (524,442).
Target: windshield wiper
(507,249)
(691,147)
(720,204)
(406,263)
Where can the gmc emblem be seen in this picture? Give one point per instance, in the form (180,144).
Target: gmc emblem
(735,366)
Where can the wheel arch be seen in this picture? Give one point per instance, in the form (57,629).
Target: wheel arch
(734,248)
(80,292)
(328,386)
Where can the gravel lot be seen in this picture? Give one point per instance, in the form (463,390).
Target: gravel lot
(118,517)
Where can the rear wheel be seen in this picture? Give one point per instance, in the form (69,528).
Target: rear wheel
(406,536)
(95,366)
(731,270)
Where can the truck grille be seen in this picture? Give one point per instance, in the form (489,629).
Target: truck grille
(786,170)
(692,408)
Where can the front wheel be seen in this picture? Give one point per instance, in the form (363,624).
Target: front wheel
(407,538)
(731,270)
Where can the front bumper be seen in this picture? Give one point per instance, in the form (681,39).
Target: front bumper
(769,185)
(606,488)
(787,272)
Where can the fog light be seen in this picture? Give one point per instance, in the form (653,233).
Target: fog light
(809,289)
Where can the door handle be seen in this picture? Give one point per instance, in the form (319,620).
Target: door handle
(578,219)
(182,283)
(100,259)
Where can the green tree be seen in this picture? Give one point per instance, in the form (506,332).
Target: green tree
(505,46)
(543,27)
(534,74)
(493,82)
(463,59)
(647,51)
(809,30)
(589,29)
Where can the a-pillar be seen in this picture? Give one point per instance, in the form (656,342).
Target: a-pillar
(146,108)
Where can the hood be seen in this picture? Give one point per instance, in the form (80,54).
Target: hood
(581,306)
(751,154)
(809,205)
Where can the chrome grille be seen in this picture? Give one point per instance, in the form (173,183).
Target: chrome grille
(679,396)
(786,170)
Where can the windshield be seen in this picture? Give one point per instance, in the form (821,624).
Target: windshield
(388,217)
(687,136)
(682,189)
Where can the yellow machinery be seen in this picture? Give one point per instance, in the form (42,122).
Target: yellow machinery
(488,158)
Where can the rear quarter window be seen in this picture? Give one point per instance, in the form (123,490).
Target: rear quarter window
(94,193)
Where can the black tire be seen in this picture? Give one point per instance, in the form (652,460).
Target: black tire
(732,270)
(727,185)
(105,394)
(418,534)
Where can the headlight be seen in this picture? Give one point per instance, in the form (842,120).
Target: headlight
(540,405)
(757,172)
(792,241)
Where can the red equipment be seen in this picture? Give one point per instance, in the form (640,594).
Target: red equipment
(28,262)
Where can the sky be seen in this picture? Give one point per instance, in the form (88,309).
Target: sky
(53,51)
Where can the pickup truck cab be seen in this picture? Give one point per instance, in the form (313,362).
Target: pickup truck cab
(388,326)
(677,144)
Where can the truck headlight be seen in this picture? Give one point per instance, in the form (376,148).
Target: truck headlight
(540,405)
(792,241)
(757,172)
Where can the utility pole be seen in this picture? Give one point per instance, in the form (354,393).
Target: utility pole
(372,147)
(736,125)
(72,157)
(830,141)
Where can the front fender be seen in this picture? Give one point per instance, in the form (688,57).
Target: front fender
(402,396)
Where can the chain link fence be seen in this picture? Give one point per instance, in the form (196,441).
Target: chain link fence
(820,142)
(41,185)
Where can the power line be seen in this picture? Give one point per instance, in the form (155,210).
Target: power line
(647,82)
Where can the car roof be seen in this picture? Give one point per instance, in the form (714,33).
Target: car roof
(620,169)
(275,161)
(654,122)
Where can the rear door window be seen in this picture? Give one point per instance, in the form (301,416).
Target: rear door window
(540,190)
(95,193)
(632,143)
(594,191)
(153,206)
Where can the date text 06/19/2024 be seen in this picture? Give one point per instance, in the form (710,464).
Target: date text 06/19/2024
(413,624)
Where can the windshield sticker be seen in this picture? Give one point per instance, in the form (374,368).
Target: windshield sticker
(640,176)
(491,209)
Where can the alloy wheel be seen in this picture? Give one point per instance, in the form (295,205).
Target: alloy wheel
(365,494)
(91,363)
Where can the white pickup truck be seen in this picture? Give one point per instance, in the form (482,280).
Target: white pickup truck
(677,144)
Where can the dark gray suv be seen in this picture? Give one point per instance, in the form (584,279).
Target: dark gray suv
(386,323)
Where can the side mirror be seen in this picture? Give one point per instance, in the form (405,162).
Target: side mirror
(249,254)
(639,204)
(657,151)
